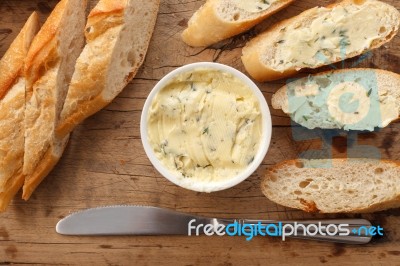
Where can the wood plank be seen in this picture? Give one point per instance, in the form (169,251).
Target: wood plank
(105,164)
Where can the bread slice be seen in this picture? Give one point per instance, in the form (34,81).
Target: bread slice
(48,68)
(320,36)
(118,34)
(217,20)
(349,99)
(12,108)
(334,186)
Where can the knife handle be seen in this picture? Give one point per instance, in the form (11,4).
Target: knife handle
(347,231)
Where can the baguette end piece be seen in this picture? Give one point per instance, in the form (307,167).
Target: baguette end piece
(207,26)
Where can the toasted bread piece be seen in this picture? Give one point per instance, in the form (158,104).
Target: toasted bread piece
(217,20)
(49,67)
(12,108)
(334,186)
(118,35)
(320,36)
(349,99)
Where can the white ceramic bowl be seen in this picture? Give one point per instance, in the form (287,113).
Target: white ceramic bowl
(197,185)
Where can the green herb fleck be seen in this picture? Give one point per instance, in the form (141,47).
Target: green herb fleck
(251,160)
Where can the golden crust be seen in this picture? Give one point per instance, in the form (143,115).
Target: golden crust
(42,50)
(11,65)
(11,70)
(12,188)
(106,7)
(252,52)
(206,27)
(87,108)
(49,160)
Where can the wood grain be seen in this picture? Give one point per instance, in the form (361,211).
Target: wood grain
(105,164)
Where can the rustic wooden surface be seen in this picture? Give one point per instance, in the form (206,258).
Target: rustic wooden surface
(105,164)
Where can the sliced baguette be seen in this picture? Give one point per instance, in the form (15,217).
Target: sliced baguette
(217,20)
(118,34)
(314,101)
(12,108)
(320,36)
(340,187)
(48,69)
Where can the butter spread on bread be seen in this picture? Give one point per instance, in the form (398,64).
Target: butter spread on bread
(352,99)
(217,20)
(320,36)
(118,34)
(48,69)
(334,186)
(254,5)
(12,107)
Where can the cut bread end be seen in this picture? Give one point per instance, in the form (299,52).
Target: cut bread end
(334,186)
(217,20)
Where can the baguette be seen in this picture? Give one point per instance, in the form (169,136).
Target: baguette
(48,68)
(118,34)
(12,108)
(217,20)
(349,99)
(320,36)
(337,188)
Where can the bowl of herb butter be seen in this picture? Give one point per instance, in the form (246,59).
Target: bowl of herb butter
(206,127)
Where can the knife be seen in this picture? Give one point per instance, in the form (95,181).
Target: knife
(147,220)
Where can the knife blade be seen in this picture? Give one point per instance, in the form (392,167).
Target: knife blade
(127,220)
(147,220)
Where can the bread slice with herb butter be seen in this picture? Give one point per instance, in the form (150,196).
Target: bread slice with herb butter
(334,186)
(320,36)
(12,108)
(118,34)
(217,20)
(350,99)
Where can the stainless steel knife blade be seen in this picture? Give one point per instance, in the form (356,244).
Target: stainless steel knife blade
(146,220)
(127,220)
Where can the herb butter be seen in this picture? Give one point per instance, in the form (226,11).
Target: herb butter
(253,6)
(330,35)
(205,125)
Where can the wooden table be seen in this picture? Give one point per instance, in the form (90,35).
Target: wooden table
(105,164)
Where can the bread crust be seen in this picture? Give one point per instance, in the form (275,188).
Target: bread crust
(206,27)
(79,104)
(11,71)
(43,49)
(252,52)
(49,160)
(12,63)
(310,206)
